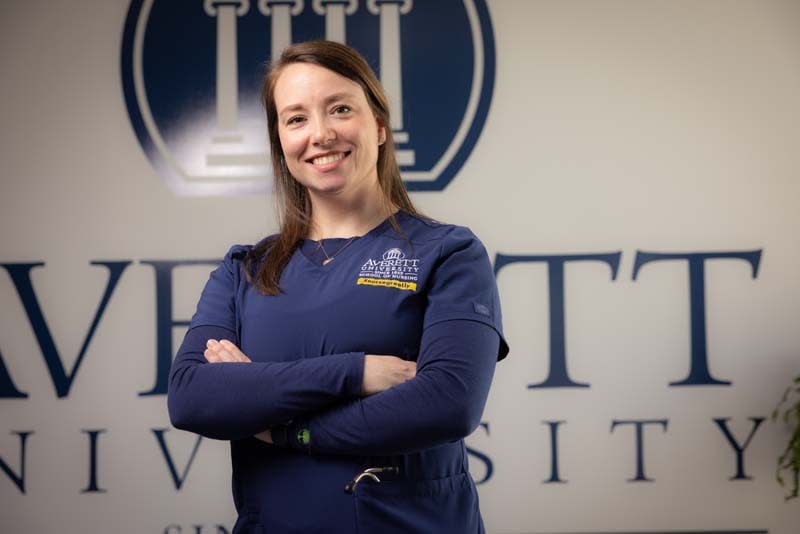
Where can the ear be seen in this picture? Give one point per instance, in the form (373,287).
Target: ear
(381,133)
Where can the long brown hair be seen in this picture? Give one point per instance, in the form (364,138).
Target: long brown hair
(266,261)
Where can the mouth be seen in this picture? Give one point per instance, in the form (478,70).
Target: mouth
(328,159)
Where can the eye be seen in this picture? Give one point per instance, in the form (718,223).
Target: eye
(294,120)
(342,109)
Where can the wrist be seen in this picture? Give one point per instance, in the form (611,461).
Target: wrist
(292,435)
(278,434)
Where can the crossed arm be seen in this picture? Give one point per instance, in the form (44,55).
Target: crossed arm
(348,403)
(216,391)
(380,371)
(351,403)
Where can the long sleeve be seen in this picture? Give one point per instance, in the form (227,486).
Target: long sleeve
(460,345)
(442,403)
(236,400)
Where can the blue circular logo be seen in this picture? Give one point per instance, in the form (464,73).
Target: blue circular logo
(191,74)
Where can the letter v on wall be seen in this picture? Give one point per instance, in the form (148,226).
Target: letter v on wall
(20,274)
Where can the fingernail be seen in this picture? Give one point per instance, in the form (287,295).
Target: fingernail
(211,342)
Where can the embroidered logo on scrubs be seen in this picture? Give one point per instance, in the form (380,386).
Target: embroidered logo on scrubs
(393,269)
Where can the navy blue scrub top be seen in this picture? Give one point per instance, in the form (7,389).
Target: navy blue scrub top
(426,294)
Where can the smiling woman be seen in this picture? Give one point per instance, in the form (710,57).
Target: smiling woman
(347,356)
(320,81)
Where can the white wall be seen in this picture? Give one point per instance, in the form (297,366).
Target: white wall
(661,126)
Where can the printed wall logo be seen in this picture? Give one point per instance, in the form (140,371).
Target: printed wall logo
(191,73)
(392,270)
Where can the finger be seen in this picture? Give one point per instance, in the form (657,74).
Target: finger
(229,352)
(412,369)
(212,348)
(220,350)
(265,436)
(234,350)
(211,356)
(226,356)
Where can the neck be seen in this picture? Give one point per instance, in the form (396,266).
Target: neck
(339,217)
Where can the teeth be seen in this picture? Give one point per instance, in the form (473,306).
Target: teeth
(324,160)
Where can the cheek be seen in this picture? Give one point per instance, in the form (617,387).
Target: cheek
(291,144)
(370,148)
(367,141)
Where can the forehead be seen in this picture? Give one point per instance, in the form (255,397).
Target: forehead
(306,84)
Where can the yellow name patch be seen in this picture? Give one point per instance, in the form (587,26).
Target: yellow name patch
(397,284)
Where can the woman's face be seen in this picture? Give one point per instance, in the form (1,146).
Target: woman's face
(327,130)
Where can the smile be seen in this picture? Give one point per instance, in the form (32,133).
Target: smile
(329,158)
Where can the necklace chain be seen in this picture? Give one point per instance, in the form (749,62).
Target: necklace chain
(328,257)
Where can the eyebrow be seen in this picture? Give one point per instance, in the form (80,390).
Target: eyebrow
(332,98)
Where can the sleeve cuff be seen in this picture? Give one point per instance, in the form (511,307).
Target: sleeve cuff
(294,435)
(355,374)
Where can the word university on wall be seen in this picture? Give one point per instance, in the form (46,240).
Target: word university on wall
(558,377)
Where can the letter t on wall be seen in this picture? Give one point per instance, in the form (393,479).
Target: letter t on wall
(699,374)
(558,376)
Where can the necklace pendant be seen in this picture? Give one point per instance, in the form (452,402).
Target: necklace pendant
(330,258)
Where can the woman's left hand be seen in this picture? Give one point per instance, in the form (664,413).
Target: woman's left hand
(223,351)
(265,436)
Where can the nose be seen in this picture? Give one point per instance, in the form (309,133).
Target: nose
(323,133)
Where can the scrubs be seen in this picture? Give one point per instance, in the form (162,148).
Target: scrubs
(426,293)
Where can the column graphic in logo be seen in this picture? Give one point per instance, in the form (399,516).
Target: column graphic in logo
(191,76)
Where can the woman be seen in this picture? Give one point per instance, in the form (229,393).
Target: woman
(346,357)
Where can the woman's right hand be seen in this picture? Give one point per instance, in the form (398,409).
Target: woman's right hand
(223,351)
(382,372)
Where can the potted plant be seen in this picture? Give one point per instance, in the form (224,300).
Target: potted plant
(788,410)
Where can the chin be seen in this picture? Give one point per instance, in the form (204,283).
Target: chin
(328,189)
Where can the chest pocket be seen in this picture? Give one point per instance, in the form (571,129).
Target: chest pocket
(445,506)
